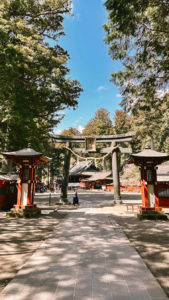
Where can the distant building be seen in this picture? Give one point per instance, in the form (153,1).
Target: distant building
(163,173)
(98,180)
(78,171)
(85,175)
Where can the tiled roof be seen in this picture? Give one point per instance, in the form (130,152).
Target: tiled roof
(163,169)
(163,172)
(99,176)
(80,167)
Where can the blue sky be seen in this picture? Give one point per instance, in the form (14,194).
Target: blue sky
(89,63)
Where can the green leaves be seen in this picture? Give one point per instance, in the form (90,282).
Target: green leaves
(137,33)
(100,124)
(34,83)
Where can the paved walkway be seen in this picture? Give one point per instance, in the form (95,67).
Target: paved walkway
(87,257)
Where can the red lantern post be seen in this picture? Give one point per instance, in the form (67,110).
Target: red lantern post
(27,159)
(148,160)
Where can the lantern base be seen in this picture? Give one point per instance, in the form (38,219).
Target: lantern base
(21,211)
(151,213)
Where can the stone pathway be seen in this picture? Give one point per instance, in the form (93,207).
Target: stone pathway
(87,257)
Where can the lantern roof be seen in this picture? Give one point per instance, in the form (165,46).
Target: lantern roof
(26,152)
(149,155)
(26,155)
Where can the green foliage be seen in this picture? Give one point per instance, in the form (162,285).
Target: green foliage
(34,82)
(122,122)
(56,165)
(70,132)
(100,124)
(150,121)
(137,32)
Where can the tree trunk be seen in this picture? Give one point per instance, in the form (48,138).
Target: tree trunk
(152,143)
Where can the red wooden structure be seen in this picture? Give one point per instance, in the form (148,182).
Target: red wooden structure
(27,159)
(152,192)
(8,192)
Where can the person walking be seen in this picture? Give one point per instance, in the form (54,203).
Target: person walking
(75,198)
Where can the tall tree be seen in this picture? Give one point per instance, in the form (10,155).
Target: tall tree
(70,131)
(122,122)
(99,125)
(151,123)
(138,35)
(34,82)
(163,137)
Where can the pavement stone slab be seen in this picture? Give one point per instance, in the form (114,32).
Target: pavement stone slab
(87,257)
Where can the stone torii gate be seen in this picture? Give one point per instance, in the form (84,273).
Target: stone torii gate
(90,143)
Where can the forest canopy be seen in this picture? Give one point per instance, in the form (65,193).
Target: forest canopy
(34,78)
(137,33)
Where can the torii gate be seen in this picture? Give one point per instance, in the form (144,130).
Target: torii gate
(90,146)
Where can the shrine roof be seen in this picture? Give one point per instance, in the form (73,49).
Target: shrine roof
(23,153)
(163,173)
(163,169)
(99,176)
(80,167)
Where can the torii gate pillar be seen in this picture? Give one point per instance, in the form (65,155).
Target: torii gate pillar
(115,171)
(65,181)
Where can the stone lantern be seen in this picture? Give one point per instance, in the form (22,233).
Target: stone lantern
(27,159)
(148,160)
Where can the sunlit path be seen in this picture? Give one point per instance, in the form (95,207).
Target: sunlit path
(87,257)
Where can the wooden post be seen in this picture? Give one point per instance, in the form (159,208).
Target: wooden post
(115,171)
(30,180)
(19,187)
(104,165)
(65,180)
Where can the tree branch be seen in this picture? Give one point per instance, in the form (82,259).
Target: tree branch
(153,30)
(49,12)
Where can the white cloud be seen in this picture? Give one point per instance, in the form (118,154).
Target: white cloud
(78,121)
(118,95)
(101,87)
(57,131)
(80,128)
